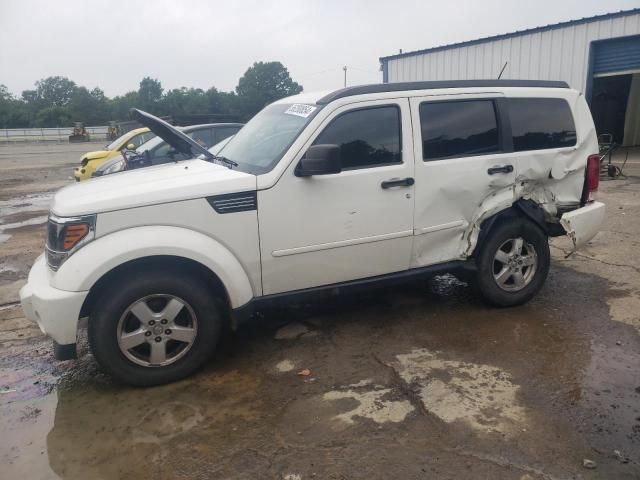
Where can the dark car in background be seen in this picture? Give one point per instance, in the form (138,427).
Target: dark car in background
(157,151)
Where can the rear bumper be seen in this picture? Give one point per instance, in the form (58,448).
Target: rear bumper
(582,224)
(55,311)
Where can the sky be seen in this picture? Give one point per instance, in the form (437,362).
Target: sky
(196,43)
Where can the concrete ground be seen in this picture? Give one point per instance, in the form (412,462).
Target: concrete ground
(419,381)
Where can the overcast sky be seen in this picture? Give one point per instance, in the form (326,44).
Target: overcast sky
(197,43)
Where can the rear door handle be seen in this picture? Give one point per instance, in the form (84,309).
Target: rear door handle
(500,169)
(398,182)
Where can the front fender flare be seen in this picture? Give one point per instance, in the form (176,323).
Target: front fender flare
(85,267)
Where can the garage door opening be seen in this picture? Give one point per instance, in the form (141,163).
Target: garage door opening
(615,106)
(615,89)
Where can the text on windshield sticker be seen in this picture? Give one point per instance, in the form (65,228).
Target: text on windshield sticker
(300,109)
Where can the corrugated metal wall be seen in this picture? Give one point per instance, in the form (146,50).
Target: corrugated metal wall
(555,54)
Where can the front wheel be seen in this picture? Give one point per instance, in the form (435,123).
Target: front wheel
(154,327)
(513,263)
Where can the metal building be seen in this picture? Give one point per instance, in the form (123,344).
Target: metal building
(599,56)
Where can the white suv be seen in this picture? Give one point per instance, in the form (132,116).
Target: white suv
(320,192)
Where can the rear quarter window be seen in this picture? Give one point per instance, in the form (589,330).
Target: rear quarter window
(541,123)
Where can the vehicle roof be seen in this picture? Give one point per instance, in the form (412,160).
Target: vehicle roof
(437,85)
(325,97)
(137,131)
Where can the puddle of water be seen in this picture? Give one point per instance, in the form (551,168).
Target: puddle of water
(25,203)
(23,443)
(612,392)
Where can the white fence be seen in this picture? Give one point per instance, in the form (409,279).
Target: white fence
(48,134)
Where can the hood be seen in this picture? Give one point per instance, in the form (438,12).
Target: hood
(95,155)
(170,182)
(174,137)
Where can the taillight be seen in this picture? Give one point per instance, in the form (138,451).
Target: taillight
(591,179)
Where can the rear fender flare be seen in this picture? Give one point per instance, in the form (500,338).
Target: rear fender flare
(521,208)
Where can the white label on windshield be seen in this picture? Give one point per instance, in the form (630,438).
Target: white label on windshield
(300,109)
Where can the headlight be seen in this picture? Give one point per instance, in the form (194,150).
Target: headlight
(65,235)
(116,167)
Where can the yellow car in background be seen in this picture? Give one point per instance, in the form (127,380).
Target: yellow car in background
(92,160)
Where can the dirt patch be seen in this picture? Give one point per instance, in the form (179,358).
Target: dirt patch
(21,217)
(482,396)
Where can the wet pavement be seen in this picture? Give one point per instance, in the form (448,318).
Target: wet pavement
(418,381)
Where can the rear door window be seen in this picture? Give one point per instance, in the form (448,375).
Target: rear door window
(458,129)
(540,123)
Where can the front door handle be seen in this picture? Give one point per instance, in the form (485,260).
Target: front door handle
(500,169)
(398,182)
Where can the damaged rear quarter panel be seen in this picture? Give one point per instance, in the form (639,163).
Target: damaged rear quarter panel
(455,196)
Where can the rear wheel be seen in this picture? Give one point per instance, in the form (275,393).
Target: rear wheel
(154,327)
(513,262)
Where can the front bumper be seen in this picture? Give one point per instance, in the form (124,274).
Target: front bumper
(80,173)
(582,224)
(55,311)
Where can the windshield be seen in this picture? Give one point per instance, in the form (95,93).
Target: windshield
(116,142)
(260,144)
(150,144)
(217,148)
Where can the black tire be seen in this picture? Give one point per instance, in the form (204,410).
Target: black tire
(512,228)
(126,291)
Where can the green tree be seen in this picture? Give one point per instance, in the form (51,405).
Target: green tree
(120,105)
(55,91)
(185,101)
(53,117)
(263,83)
(58,100)
(90,107)
(13,112)
(150,94)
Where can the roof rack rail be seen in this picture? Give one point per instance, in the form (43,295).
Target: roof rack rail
(433,85)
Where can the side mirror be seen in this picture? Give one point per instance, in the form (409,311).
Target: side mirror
(320,160)
(131,146)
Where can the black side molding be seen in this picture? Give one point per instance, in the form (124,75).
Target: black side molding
(234,202)
(241,315)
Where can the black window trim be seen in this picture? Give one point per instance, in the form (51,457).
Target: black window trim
(371,107)
(505,142)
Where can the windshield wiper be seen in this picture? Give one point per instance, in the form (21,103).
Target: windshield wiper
(226,161)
